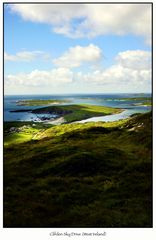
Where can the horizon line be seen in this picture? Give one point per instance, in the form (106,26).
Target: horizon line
(76,93)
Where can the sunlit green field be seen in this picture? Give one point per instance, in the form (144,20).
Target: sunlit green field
(23,131)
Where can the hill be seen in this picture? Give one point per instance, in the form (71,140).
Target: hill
(81,175)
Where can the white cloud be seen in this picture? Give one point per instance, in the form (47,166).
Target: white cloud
(25,56)
(41,78)
(90,20)
(136,59)
(78,55)
(119,75)
(131,70)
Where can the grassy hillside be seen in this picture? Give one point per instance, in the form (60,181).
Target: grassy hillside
(81,175)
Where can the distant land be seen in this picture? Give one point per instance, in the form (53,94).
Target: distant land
(40,102)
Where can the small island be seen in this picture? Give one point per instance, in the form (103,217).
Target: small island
(136,99)
(41,102)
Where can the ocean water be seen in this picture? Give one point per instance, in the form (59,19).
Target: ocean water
(111,100)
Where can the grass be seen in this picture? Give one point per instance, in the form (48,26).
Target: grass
(78,112)
(40,102)
(23,132)
(81,175)
(147,103)
(16,138)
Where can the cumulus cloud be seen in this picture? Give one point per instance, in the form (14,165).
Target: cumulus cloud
(25,56)
(119,75)
(90,20)
(136,59)
(78,55)
(41,78)
(131,68)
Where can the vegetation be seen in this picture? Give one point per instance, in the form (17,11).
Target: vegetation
(118,98)
(136,98)
(78,112)
(18,132)
(79,175)
(147,103)
(40,102)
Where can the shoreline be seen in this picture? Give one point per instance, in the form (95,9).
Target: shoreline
(67,113)
(57,121)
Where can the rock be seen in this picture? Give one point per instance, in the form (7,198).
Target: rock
(12,128)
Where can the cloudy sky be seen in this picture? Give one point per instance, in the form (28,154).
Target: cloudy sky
(77,48)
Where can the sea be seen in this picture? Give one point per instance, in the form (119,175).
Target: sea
(129,106)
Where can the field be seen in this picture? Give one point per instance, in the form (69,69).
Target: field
(79,175)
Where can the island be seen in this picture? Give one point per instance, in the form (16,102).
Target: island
(40,102)
(135,99)
(70,113)
(77,112)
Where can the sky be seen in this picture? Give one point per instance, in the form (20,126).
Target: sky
(77,48)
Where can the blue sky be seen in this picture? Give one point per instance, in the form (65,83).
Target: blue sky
(77,49)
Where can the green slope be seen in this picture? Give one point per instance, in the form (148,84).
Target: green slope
(81,175)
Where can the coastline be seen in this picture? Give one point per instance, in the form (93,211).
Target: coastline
(57,121)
